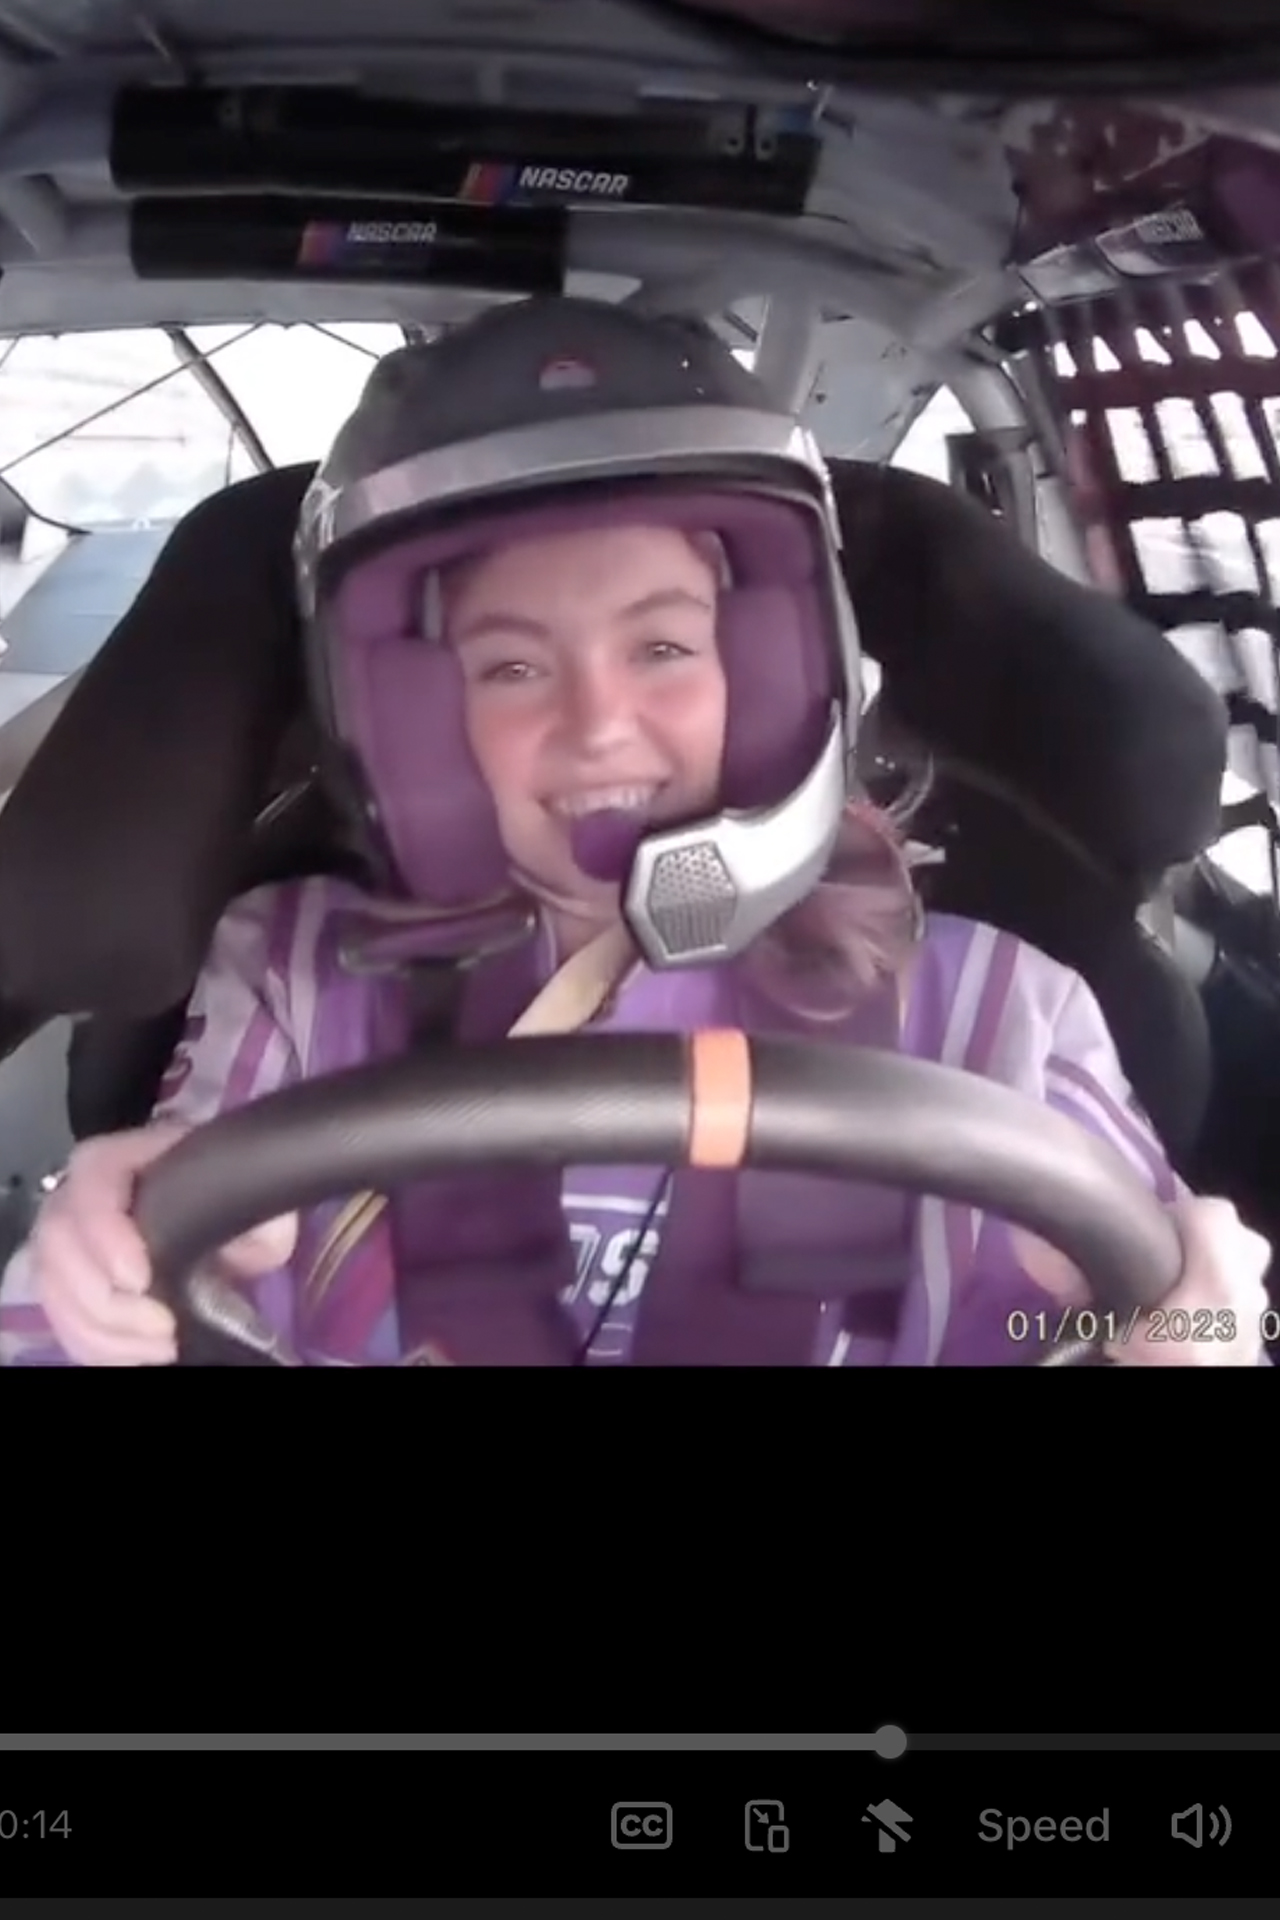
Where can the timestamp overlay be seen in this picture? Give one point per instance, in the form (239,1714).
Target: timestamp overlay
(729,1816)
(1046,1328)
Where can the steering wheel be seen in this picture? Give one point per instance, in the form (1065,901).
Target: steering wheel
(711,1098)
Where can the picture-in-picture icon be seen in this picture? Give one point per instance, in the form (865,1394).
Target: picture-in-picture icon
(766,1827)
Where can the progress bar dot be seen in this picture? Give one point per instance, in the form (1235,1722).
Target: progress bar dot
(891,1742)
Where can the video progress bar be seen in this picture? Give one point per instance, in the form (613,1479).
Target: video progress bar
(890,1743)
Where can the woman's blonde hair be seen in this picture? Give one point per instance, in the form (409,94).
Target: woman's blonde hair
(861,923)
(858,927)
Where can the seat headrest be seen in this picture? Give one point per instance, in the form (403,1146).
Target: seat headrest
(123,839)
(127,834)
(992,656)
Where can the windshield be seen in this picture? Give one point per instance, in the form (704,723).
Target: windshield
(109,429)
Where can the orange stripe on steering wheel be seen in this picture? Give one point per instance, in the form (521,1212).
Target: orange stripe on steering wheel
(721,1092)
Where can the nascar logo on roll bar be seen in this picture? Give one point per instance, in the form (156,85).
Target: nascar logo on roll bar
(324,242)
(396,232)
(489,182)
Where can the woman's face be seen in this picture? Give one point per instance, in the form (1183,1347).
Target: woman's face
(593,680)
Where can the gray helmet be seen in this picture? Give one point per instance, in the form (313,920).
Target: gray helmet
(554,414)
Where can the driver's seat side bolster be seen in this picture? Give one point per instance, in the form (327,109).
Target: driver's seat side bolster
(114,1068)
(23,735)
(114,1065)
(1061,692)
(126,834)
(999,868)
(1078,713)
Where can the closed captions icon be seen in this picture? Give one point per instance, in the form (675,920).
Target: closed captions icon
(1194,1826)
(642,1825)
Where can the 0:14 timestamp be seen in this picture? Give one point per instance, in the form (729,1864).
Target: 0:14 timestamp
(37,1825)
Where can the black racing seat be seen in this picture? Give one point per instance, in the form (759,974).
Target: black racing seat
(181,773)
(1078,759)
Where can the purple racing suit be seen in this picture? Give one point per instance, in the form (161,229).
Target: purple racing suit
(939,1284)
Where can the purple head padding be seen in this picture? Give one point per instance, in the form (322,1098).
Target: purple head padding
(399,697)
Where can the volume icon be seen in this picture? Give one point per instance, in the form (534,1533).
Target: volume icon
(1195,1825)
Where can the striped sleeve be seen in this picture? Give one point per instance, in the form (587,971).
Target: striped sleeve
(1085,1081)
(237,1045)
(239,1042)
(1049,1040)
(26,1338)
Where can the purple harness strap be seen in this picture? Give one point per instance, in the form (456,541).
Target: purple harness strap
(483,1261)
(770,1229)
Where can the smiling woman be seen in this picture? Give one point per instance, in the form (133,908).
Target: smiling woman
(595,701)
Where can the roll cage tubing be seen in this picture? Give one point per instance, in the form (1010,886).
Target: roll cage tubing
(207,376)
(190,359)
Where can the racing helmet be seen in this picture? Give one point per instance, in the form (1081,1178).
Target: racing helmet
(546,416)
